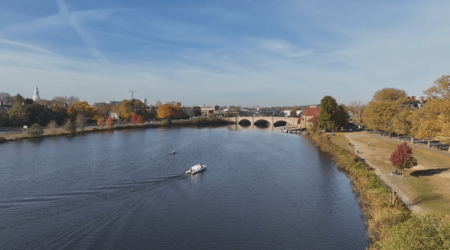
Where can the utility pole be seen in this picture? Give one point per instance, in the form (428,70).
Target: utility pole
(132,91)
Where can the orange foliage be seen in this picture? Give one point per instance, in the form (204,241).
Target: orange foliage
(171,111)
(110,122)
(136,119)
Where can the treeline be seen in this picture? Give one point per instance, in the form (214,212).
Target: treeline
(391,111)
(25,111)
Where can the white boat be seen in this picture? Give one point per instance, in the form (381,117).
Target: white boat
(195,169)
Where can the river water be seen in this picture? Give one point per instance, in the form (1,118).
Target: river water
(123,190)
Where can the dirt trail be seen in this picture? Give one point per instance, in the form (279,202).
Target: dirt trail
(395,182)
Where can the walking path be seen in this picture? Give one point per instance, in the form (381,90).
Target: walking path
(359,141)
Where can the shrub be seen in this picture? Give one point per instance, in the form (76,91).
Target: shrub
(2,139)
(70,127)
(35,130)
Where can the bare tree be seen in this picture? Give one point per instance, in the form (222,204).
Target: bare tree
(357,109)
(158,103)
(67,100)
(5,98)
(52,126)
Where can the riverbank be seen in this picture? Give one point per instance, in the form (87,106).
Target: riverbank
(424,188)
(393,223)
(377,202)
(4,137)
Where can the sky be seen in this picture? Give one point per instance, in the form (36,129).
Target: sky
(228,52)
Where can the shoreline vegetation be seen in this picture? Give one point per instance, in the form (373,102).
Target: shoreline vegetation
(390,224)
(164,123)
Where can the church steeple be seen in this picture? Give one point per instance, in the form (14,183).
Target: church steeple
(36,94)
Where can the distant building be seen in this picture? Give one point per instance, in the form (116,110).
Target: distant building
(309,116)
(36,94)
(173,103)
(415,104)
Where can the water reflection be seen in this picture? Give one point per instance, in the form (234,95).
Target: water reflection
(257,126)
(196,178)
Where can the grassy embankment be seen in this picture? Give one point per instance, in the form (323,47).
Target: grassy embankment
(61,131)
(390,226)
(426,184)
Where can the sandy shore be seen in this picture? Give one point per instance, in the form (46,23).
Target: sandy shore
(360,141)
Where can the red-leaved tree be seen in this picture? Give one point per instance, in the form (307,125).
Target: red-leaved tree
(136,118)
(402,157)
(100,122)
(110,122)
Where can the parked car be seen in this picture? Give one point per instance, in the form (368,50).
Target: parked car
(395,172)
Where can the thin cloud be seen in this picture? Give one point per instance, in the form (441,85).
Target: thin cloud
(87,38)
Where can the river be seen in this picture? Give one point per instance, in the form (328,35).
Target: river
(123,190)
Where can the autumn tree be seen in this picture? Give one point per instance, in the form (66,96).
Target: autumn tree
(125,110)
(80,108)
(327,115)
(169,111)
(136,119)
(401,122)
(440,89)
(357,109)
(389,95)
(100,122)
(402,157)
(378,115)
(110,122)
(431,119)
(103,111)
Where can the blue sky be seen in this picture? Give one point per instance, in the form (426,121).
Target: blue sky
(229,52)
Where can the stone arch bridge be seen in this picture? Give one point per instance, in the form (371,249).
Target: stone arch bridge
(270,119)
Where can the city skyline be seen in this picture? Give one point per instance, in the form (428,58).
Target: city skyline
(243,52)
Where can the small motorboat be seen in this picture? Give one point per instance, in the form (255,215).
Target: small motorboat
(195,169)
(173,152)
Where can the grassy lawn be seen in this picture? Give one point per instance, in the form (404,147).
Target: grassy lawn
(427,184)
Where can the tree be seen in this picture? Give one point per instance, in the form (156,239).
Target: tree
(100,122)
(341,116)
(420,231)
(110,122)
(70,127)
(158,103)
(402,122)
(293,112)
(440,89)
(328,107)
(80,108)
(402,157)
(378,115)
(37,113)
(80,122)
(430,120)
(59,114)
(169,111)
(52,126)
(389,94)
(5,98)
(35,130)
(17,113)
(357,109)
(67,100)
(136,119)
(125,110)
